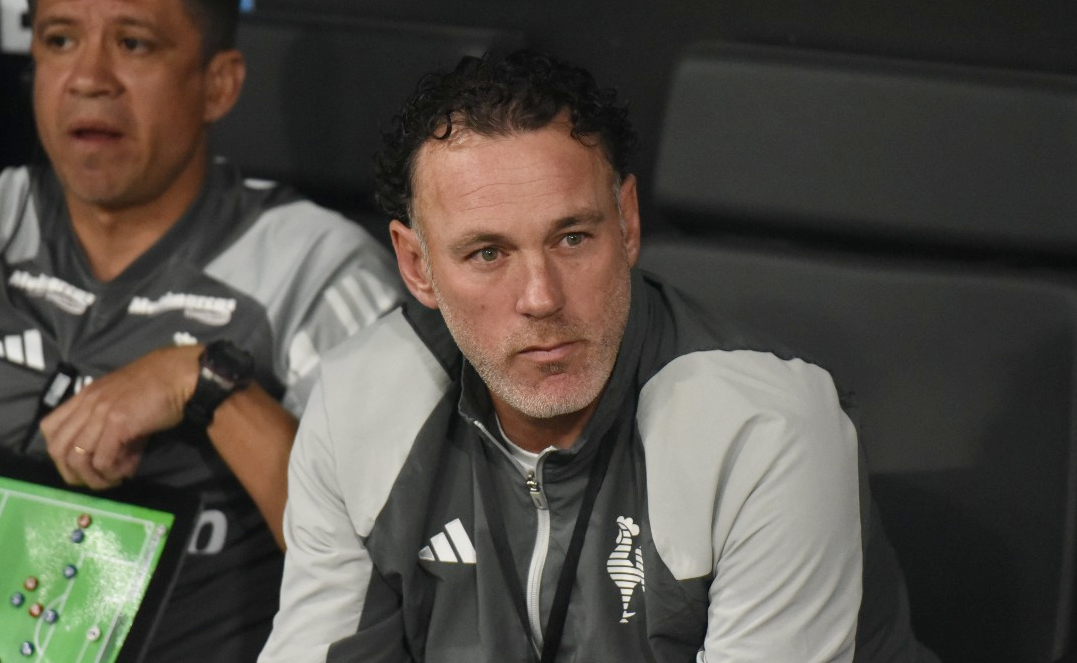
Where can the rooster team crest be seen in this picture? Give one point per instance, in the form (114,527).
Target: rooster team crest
(625,564)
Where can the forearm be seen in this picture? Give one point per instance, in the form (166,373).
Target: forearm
(253,434)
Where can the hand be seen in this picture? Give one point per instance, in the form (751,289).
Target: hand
(97,437)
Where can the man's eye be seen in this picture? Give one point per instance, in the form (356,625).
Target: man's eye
(574,239)
(58,42)
(134,45)
(489,254)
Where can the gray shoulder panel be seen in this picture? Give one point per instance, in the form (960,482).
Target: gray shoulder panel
(20,234)
(712,423)
(320,277)
(379,388)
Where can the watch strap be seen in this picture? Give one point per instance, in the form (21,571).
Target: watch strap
(223,369)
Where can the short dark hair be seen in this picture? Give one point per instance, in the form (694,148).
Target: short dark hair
(524,91)
(217,21)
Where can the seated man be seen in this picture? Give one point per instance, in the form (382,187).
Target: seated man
(129,257)
(557,459)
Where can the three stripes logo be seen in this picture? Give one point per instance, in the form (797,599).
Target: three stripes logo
(452,546)
(24,349)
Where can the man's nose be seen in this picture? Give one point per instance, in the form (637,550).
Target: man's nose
(94,73)
(542,293)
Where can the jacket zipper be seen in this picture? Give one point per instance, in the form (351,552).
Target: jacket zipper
(538,555)
(533,485)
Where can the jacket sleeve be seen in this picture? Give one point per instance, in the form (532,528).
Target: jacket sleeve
(326,567)
(787,577)
(372,398)
(761,494)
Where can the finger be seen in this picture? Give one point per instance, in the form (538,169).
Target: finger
(113,466)
(85,471)
(57,443)
(93,440)
(133,457)
(126,467)
(88,474)
(112,448)
(60,428)
(76,441)
(107,450)
(82,446)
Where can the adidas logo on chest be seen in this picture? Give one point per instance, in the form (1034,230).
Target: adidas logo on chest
(452,546)
(25,349)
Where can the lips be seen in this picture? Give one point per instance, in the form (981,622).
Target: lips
(95,132)
(549,352)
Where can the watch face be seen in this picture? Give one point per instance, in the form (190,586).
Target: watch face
(228,361)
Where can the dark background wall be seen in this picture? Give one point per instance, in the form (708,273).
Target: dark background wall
(633,44)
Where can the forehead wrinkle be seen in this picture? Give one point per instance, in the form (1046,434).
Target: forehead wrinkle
(482,193)
(435,188)
(128,15)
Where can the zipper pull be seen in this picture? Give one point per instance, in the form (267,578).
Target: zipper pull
(535,491)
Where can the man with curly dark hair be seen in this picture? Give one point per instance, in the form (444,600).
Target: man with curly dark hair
(554,457)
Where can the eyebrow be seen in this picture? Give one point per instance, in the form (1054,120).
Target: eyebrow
(48,22)
(67,21)
(465,245)
(591,218)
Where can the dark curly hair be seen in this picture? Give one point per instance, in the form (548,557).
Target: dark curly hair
(524,91)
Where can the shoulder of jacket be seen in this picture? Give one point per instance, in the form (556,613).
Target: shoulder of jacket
(713,425)
(386,362)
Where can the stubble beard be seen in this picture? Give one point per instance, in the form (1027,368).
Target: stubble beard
(587,379)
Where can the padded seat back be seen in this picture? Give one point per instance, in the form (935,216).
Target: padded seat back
(792,141)
(800,173)
(319,91)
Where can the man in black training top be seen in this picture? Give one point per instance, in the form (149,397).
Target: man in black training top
(130,256)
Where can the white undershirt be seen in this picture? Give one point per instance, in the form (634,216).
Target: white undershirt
(527,460)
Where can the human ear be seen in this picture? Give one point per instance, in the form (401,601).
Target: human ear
(224,80)
(628,202)
(411,262)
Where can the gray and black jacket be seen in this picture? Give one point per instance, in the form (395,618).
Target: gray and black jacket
(731,525)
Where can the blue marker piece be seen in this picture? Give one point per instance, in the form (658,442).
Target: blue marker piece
(70,571)
(17,599)
(50,616)
(78,535)
(27,648)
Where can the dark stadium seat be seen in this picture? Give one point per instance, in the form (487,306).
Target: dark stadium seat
(913,228)
(320,89)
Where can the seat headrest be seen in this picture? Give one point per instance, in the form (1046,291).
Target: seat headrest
(319,91)
(790,139)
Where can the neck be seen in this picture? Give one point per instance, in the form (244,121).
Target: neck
(115,237)
(535,435)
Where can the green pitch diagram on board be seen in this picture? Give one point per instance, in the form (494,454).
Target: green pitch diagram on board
(73,571)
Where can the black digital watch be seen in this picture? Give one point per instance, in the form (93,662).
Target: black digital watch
(223,369)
